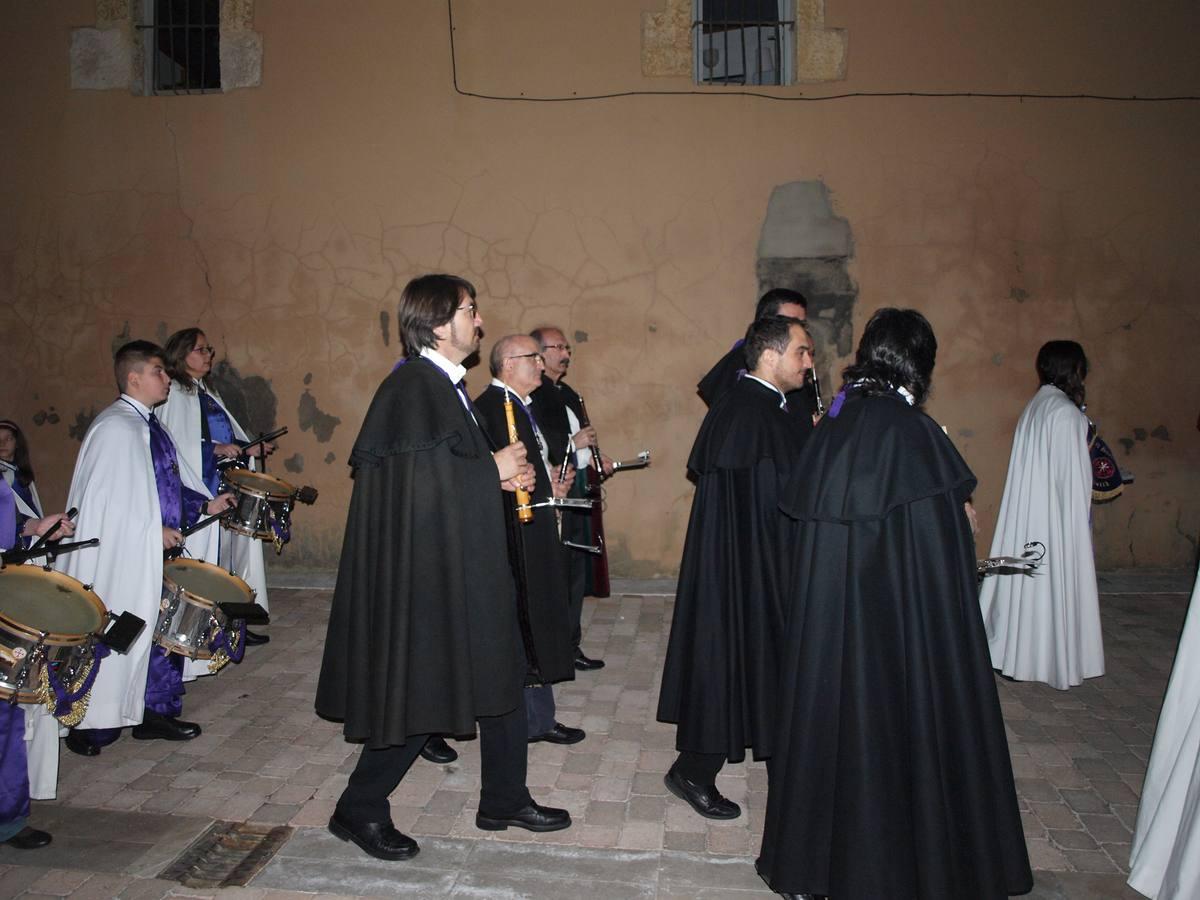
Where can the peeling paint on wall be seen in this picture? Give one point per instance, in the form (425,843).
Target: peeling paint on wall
(385,327)
(251,399)
(330,457)
(312,417)
(83,421)
(45,417)
(294,463)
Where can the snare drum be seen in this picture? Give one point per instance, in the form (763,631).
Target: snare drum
(44,617)
(262,505)
(189,617)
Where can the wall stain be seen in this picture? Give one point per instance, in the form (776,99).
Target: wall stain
(1139,434)
(311,416)
(1127,443)
(120,339)
(46,416)
(251,399)
(294,463)
(997,359)
(581,337)
(83,421)
(1161,433)
(385,327)
(1018,294)
(308,377)
(329,457)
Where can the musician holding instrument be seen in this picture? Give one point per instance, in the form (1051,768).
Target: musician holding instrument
(803,402)
(135,492)
(538,558)
(423,634)
(208,436)
(571,438)
(722,662)
(22,753)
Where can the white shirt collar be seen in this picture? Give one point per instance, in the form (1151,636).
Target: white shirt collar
(138,405)
(496,382)
(454,371)
(782,397)
(907,395)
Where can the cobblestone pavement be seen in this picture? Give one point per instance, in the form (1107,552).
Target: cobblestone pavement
(1079,757)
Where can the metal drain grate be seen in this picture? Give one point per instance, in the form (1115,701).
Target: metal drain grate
(228,854)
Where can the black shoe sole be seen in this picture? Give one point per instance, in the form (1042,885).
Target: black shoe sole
(678,792)
(345,834)
(439,760)
(160,736)
(487,823)
(82,748)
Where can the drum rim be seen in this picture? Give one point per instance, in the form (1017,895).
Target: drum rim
(233,476)
(201,564)
(65,638)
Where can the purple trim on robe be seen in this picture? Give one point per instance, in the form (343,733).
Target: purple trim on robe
(220,431)
(8,517)
(164,682)
(14,771)
(166,475)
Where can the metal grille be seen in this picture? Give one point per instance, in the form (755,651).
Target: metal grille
(183,46)
(742,41)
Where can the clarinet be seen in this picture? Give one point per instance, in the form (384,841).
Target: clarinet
(587,423)
(817,390)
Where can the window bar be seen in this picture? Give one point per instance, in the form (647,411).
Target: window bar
(203,46)
(742,38)
(171,40)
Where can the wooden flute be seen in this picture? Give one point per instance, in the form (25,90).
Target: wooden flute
(524,509)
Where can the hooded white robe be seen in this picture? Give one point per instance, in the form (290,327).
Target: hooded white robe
(1046,626)
(114,490)
(1165,860)
(180,415)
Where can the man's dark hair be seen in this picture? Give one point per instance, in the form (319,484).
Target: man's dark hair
(177,348)
(427,303)
(131,357)
(771,333)
(897,349)
(769,303)
(1064,365)
(21,454)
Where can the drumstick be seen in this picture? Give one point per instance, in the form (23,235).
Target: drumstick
(71,514)
(204,523)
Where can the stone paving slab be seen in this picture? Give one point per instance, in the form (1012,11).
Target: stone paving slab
(1079,757)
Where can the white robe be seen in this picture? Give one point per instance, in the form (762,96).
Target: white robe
(9,472)
(1046,626)
(114,489)
(180,415)
(1165,860)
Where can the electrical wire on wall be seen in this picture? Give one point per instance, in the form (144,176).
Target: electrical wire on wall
(799,98)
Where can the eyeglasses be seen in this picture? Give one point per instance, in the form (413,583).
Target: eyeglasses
(469,307)
(537,356)
(206,350)
(564,347)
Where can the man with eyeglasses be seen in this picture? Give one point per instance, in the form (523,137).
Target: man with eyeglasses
(424,636)
(539,561)
(719,676)
(559,410)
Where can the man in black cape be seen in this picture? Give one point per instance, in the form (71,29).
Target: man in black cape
(536,555)
(559,411)
(802,402)
(720,674)
(423,634)
(891,775)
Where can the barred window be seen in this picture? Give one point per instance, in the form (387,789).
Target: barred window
(182,46)
(744,41)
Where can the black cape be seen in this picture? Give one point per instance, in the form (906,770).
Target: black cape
(891,775)
(543,610)
(721,670)
(423,633)
(550,402)
(802,402)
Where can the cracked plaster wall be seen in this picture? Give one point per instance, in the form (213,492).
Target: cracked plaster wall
(284,221)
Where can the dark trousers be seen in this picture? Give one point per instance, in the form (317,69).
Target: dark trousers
(575,529)
(164,694)
(699,768)
(503,745)
(540,709)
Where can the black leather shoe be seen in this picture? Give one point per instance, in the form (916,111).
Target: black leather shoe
(167,728)
(29,839)
(378,839)
(560,734)
(532,818)
(704,799)
(436,750)
(78,744)
(586,663)
(253,638)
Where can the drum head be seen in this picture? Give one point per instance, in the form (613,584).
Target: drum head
(49,601)
(259,483)
(209,582)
